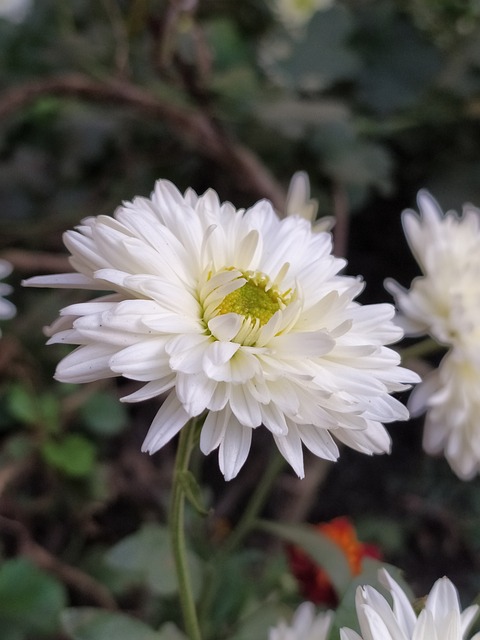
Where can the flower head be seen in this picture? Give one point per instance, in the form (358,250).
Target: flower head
(441,618)
(445,300)
(305,625)
(445,303)
(450,397)
(314,583)
(7,309)
(237,315)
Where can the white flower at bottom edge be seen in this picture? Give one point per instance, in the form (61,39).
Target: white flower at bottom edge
(451,399)
(445,301)
(305,625)
(7,308)
(236,315)
(441,618)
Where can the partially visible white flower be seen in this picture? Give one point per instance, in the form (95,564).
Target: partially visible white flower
(306,624)
(296,13)
(441,618)
(7,309)
(445,300)
(450,396)
(237,315)
(14,10)
(300,204)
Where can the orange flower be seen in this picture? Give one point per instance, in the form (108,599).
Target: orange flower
(313,581)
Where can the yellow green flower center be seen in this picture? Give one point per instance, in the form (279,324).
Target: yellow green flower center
(256,299)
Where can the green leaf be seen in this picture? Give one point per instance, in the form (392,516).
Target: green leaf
(320,58)
(104,415)
(87,623)
(73,454)
(147,555)
(193,492)
(320,548)
(30,600)
(257,624)
(169,631)
(22,405)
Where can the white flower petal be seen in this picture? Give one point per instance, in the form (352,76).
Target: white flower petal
(234,448)
(170,418)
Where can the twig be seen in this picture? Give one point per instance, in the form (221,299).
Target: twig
(36,261)
(193,127)
(71,576)
(342,220)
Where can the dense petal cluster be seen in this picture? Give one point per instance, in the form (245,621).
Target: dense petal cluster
(305,625)
(236,315)
(444,302)
(7,309)
(314,582)
(440,619)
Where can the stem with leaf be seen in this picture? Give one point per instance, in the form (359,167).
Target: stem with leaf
(177,529)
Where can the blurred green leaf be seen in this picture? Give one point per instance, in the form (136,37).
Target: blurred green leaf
(320,548)
(73,454)
(193,492)
(257,623)
(104,415)
(147,555)
(21,404)
(318,59)
(30,600)
(87,623)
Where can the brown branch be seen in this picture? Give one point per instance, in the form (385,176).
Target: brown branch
(71,576)
(342,221)
(36,261)
(193,127)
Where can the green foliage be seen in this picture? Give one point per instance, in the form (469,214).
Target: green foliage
(147,557)
(94,624)
(103,415)
(73,454)
(30,601)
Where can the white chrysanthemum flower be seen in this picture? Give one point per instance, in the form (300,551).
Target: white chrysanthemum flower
(445,300)
(441,618)
(305,625)
(445,303)
(7,308)
(450,397)
(236,314)
(300,204)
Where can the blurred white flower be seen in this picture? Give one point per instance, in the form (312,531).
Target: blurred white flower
(450,395)
(295,13)
(234,313)
(305,625)
(300,204)
(7,309)
(445,300)
(441,618)
(445,303)
(14,10)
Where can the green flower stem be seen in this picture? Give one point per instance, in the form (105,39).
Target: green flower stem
(177,531)
(419,349)
(248,519)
